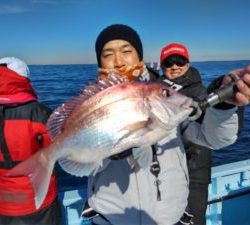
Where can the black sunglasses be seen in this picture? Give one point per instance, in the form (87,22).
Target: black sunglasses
(177,60)
(170,64)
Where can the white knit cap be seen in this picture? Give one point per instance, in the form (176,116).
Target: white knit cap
(16,65)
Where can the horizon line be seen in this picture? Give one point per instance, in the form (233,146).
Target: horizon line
(155,62)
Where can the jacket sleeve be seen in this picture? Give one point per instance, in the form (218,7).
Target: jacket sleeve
(218,129)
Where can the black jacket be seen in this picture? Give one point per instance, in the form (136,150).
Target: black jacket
(198,157)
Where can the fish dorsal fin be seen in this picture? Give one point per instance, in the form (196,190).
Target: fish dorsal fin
(60,114)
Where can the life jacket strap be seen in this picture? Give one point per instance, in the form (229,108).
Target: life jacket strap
(8,162)
(155,170)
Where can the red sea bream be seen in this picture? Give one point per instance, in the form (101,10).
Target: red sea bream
(107,118)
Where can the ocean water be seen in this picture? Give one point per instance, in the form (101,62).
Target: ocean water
(56,84)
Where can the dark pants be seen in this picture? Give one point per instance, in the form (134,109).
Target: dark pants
(197,201)
(48,216)
(199,168)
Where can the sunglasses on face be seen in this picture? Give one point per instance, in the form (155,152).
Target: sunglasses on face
(170,64)
(175,60)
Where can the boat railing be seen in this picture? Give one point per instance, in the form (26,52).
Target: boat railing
(229,196)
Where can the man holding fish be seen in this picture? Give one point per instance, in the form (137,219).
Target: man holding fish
(125,136)
(127,193)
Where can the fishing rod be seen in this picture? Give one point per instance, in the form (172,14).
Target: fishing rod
(217,96)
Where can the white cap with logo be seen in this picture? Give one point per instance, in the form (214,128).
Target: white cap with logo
(16,65)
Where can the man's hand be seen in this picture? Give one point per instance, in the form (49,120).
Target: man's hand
(242,96)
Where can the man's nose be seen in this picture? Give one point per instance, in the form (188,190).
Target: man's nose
(118,61)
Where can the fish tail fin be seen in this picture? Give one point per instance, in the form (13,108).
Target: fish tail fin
(39,170)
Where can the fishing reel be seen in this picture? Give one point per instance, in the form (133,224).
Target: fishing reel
(217,96)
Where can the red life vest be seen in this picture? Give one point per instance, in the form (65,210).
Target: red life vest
(22,133)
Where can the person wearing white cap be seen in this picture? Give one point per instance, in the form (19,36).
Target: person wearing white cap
(22,133)
(16,65)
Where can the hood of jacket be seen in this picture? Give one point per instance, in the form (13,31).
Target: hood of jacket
(15,88)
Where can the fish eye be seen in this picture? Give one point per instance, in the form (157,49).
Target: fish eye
(165,92)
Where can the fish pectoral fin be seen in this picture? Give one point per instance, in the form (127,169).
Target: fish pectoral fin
(147,136)
(136,126)
(135,130)
(133,137)
(137,137)
(143,155)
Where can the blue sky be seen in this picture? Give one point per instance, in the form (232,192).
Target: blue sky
(64,31)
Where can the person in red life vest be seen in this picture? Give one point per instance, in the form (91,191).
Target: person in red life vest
(22,133)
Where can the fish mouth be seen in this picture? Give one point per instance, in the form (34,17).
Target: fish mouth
(196,111)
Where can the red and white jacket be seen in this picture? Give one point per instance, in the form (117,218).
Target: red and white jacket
(22,133)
